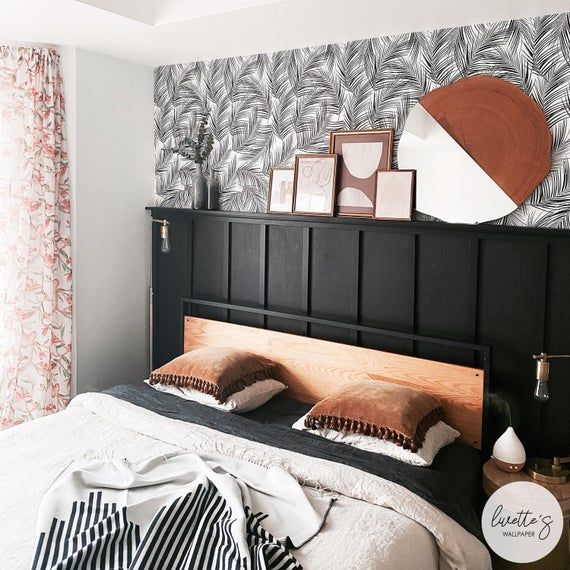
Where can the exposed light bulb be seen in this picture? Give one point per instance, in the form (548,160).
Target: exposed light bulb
(165,239)
(541,392)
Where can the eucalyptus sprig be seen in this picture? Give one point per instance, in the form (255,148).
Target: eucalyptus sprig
(197,149)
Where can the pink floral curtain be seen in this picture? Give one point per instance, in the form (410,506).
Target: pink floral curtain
(35,232)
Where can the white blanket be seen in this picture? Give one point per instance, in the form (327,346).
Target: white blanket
(116,514)
(94,423)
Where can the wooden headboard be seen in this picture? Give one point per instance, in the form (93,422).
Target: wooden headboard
(314,368)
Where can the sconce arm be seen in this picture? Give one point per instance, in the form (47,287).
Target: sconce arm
(557,462)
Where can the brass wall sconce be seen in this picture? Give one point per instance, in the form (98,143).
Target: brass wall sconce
(546,470)
(164,235)
(541,392)
(164,249)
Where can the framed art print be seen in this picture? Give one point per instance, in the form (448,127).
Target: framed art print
(361,155)
(314,187)
(394,194)
(280,199)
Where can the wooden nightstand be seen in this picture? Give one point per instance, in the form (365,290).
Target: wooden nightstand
(559,558)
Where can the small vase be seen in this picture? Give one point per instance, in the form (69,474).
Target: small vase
(200,188)
(508,452)
(213,193)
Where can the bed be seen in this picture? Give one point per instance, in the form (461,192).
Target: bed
(386,514)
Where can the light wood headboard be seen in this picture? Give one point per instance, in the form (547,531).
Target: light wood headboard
(314,368)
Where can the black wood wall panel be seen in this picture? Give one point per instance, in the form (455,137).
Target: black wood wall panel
(210,261)
(334,282)
(556,412)
(511,318)
(503,287)
(171,281)
(245,249)
(387,288)
(446,289)
(285,290)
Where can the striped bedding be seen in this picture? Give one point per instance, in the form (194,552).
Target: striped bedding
(177,511)
(192,532)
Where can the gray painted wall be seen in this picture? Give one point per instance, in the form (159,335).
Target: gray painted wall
(113,174)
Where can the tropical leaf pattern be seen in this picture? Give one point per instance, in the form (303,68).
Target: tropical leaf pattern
(266,108)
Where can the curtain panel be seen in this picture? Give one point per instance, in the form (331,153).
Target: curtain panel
(35,237)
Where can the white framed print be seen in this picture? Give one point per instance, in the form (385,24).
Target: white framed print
(394,198)
(315,181)
(281,183)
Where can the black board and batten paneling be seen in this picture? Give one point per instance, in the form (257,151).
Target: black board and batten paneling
(286,280)
(507,288)
(333,281)
(387,288)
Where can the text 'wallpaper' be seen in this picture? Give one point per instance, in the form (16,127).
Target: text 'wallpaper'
(266,108)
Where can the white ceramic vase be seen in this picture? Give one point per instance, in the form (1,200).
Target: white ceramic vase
(508,452)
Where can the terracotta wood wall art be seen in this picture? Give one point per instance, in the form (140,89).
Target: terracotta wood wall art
(500,127)
(504,135)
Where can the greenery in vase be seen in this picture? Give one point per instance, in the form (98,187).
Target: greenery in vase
(197,149)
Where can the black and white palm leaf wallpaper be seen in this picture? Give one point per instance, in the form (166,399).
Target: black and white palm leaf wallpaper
(266,108)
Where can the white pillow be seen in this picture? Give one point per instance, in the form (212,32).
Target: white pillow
(250,398)
(437,437)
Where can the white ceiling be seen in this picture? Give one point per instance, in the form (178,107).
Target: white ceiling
(160,12)
(157,32)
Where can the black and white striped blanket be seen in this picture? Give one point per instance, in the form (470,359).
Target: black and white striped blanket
(174,513)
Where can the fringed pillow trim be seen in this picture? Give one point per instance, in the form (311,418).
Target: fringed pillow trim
(383,432)
(206,387)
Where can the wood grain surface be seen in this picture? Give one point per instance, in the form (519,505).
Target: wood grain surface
(559,558)
(494,478)
(500,127)
(314,368)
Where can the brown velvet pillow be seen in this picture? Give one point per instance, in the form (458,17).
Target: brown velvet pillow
(377,408)
(219,372)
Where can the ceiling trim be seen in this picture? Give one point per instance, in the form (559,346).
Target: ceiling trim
(274,25)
